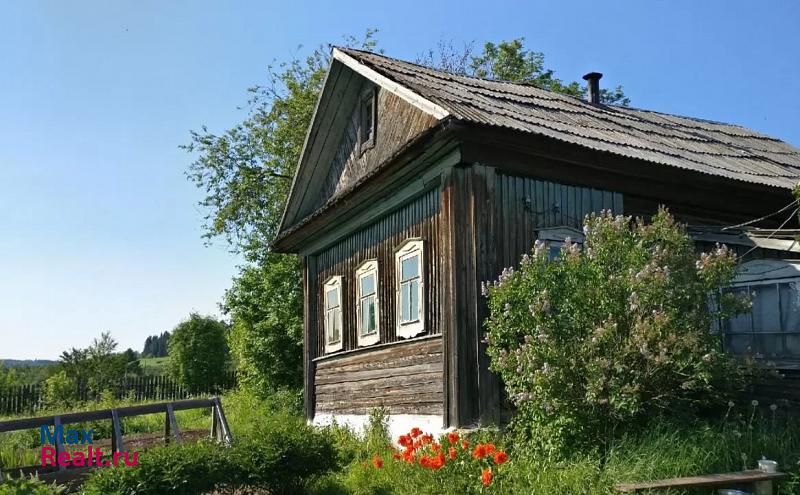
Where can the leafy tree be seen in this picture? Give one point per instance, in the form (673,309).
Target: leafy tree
(612,334)
(198,355)
(97,368)
(245,174)
(156,345)
(8,377)
(511,61)
(267,333)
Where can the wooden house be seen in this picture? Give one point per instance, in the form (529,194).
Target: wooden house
(416,185)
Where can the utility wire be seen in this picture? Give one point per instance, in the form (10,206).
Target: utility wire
(791,215)
(793,203)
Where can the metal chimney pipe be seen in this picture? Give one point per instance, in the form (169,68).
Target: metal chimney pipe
(593,81)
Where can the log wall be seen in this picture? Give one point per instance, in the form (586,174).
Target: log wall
(405,378)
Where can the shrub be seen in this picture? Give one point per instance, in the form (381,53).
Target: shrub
(280,458)
(27,486)
(198,353)
(60,390)
(610,334)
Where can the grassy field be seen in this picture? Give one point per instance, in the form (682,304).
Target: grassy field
(154,366)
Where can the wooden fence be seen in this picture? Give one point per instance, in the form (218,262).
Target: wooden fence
(30,398)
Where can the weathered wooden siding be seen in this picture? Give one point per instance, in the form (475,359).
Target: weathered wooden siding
(397,123)
(492,220)
(524,205)
(405,378)
(419,218)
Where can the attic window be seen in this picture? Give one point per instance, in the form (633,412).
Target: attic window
(367,118)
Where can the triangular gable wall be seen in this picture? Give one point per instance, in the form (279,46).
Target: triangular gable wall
(331,160)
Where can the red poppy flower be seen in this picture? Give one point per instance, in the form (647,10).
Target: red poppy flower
(490,448)
(436,447)
(404,440)
(377,462)
(452,437)
(486,477)
(437,462)
(426,439)
(452,452)
(479,452)
(465,445)
(397,456)
(415,432)
(425,461)
(500,458)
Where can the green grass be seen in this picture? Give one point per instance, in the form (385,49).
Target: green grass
(666,449)
(154,365)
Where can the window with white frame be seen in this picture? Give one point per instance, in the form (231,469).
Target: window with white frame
(332,291)
(410,290)
(367,302)
(556,237)
(771,330)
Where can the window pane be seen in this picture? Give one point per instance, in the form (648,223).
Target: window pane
(414,299)
(792,346)
(766,314)
(367,285)
(368,315)
(555,251)
(738,344)
(740,323)
(329,317)
(332,298)
(405,302)
(768,346)
(373,317)
(336,330)
(790,307)
(366,119)
(409,267)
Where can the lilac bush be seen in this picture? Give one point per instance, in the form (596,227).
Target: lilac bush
(612,332)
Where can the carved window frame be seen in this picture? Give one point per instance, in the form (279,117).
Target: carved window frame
(366,269)
(332,316)
(408,250)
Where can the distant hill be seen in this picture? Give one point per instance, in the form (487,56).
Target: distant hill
(11,363)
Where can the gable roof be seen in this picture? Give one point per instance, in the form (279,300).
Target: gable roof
(698,145)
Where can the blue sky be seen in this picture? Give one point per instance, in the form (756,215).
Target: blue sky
(99,229)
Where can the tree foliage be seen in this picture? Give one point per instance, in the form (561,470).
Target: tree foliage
(611,334)
(8,377)
(198,354)
(266,302)
(156,345)
(245,174)
(512,61)
(95,369)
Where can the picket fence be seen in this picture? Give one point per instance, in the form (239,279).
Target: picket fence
(30,398)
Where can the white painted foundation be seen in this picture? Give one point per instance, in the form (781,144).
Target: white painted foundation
(399,424)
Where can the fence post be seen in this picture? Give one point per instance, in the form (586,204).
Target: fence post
(116,437)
